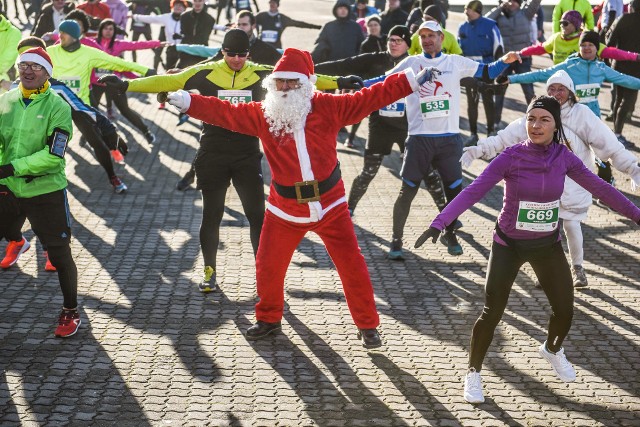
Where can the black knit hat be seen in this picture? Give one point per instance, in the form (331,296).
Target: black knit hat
(591,37)
(402,32)
(552,105)
(236,40)
(434,12)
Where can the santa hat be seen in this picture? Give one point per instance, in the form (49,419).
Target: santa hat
(39,56)
(562,78)
(295,64)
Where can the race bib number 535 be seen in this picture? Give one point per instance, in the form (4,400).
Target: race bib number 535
(434,106)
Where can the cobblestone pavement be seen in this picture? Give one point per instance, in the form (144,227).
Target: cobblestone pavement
(152,350)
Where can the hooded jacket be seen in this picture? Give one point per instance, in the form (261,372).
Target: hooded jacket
(338,39)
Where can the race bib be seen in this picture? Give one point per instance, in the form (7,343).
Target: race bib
(242,5)
(539,217)
(434,106)
(269,36)
(393,110)
(100,72)
(588,92)
(235,96)
(72,83)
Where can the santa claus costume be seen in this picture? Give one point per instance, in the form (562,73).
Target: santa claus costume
(307,192)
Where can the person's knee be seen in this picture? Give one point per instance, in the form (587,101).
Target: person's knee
(60,256)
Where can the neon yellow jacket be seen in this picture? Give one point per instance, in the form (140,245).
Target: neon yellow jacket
(9,38)
(449,44)
(74,68)
(24,130)
(582,6)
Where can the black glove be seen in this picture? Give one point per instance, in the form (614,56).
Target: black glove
(431,232)
(114,83)
(122,146)
(502,80)
(150,72)
(6,171)
(8,201)
(177,36)
(350,82)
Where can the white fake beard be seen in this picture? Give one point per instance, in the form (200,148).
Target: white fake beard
(286,111)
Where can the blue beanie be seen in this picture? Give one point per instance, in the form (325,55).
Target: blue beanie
(70,27)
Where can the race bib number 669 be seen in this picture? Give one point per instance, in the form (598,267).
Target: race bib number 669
(540,217)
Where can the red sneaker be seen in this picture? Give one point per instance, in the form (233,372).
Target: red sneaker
(47,265)
(117,156)
(13,252)
(68,323)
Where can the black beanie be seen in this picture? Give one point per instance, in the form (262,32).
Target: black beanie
(550,104)
(434,12)
(402,32)
(591,37)
(236,40)
(475,5)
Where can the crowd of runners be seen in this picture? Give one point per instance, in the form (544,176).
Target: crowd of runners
(393,62)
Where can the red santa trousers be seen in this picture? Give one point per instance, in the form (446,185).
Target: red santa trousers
(280,238)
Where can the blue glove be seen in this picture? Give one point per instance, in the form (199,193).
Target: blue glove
(428,74)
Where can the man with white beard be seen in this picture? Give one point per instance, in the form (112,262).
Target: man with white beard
(298,128)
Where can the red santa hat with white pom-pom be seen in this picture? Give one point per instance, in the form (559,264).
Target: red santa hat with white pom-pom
(295,64)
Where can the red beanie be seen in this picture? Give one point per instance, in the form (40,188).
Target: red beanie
(295,64)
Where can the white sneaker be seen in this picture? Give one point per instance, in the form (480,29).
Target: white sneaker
(564,370)
(473,387)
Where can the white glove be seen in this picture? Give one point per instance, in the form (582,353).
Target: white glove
(180,99)
(635,181)
(469,155)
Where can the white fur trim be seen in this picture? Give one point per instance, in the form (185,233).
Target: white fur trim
(411,76)
(292,75)
(305,166)
(36,59)
(304,220)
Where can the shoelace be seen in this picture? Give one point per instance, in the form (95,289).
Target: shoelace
(14,248)
(66,318)
(473,381)
(562,358)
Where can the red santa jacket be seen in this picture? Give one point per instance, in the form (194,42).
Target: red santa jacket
(309,153)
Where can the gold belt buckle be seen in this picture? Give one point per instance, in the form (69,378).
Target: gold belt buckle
(316,191)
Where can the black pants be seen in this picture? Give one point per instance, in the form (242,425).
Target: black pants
(625,102)
(215,173)
(473,99)
(123,106)
(51,222)
(89,130)
(552,270)
(146,32)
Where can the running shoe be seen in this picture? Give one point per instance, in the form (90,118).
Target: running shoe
(473,387)
(182,119)
(608,117)
(579,277)
(151,138)
(82,142)
(68,323)
(110,114)
(395,253)
(209,283)
(47,265)
(561,366)
(13,252)
(117,157)
(625,142)
(348,144)
(449,239)
(186,181)
(118,185)
(472,140)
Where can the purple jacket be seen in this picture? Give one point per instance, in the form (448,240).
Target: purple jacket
(532,173)
(119,12)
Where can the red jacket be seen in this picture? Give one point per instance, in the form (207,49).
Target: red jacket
(311,152)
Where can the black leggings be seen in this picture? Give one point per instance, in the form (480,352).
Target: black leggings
(88,129)
(252,199)
(61,259)
(625,102)
(123,106)
(473,99)
(552,270)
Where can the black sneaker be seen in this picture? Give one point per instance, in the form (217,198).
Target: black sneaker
(472,140)
(370,338)
(449,239)
(186,181)
(262,329)
(151,138)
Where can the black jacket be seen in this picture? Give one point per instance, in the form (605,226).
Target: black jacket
(624,35)
(391,18)
(277,23)
(338,39)
(196,27)
(45,20)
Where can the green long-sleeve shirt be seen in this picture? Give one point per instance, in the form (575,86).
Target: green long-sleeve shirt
(9,38)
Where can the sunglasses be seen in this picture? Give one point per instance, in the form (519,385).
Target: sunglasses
(238,54)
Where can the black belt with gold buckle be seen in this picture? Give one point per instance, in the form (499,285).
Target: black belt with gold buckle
(309,191)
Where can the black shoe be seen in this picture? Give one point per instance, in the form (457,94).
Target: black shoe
(472,141)
(608,117)
(370,338)
(186,181)
(262,329)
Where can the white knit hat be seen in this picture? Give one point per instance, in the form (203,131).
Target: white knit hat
(563,78)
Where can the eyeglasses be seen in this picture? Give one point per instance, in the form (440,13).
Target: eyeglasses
(564,23)
(395,41)
(238,54)
(291,83)
(22,66)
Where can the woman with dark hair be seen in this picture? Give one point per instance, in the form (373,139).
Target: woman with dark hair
(110,44)
(375,41)
(527,230)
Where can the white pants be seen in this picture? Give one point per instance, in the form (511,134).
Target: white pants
(573,231)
